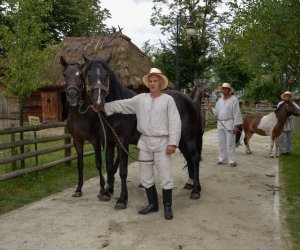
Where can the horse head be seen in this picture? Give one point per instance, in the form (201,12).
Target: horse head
(293,108)
(74,84)
(289,107)
(200,89)
(97,78)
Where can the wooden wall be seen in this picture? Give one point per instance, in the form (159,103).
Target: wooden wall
(9,107)
(46,104)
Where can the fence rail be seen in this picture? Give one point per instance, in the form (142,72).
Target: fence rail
(13,144)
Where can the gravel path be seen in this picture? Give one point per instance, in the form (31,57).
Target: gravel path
(238,209)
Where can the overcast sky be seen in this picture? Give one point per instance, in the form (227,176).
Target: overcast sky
(134,17)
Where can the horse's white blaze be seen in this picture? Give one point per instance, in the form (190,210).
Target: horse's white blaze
(77,73)
(99,97)
(267,123)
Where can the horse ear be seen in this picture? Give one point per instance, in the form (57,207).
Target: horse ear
(85,59)
(63,61)
(108,58)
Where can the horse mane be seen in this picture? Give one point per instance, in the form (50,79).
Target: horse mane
(193,93)
(280,106)
(117,91)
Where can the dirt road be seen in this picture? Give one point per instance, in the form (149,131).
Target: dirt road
(238,209)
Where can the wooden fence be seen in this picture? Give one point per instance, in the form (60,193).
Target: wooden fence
(14,144)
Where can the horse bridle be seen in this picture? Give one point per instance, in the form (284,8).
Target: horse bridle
(78,90)
(100,86)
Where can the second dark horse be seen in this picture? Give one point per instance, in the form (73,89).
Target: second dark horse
(103,86)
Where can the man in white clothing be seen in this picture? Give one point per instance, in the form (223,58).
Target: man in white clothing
(159,123)
(229,116)
(286,136)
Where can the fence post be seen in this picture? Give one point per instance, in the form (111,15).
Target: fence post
(13,150)
(67,150)
(36,148)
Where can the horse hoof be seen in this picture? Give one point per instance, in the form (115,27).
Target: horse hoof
(188,186)
(120,206)
(103,197)
(77,194)
(195,196)
(248,152)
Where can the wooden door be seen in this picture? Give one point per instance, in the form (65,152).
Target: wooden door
(50,106)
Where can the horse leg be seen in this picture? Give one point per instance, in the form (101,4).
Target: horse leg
(191,155)
(98,161)
(123,171)
(271,148)
(110,169)
(79,150)
(246,141)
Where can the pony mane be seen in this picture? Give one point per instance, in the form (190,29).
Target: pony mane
(280,106)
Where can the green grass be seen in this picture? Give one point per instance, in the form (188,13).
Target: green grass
(290,176)
(31,187)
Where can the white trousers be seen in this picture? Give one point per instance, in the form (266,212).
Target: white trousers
(226,146)
(285,141)
(162,162)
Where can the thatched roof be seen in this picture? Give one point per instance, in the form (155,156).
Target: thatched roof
(128,61)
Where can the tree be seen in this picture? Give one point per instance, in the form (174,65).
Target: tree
(268,35)
(24,43)
(196,52)
(76,18)
(228,63)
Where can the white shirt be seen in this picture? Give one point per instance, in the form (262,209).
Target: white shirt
(158,119)
(228,112)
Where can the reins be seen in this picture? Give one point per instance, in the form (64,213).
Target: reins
(102,117)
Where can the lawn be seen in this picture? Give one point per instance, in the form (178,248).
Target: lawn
(290,177)
(31,187)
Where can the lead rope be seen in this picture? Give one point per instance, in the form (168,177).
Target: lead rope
(101,122)
(101,117)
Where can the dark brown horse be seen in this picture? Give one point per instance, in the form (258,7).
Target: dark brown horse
(271,124)
(104,87)
(82,125)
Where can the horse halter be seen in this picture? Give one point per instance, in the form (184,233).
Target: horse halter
(78,90)
(100,86)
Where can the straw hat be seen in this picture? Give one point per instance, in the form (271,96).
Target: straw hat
(155,71)
(287,93)
(226,85)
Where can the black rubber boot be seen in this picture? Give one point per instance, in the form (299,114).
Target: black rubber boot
(167,199)
(152,200)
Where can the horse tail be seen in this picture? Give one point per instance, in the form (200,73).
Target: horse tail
(238,135)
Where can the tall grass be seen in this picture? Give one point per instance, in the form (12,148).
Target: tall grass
(290,176)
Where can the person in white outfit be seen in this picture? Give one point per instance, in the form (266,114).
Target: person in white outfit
(286,136)
(229,117)
(159,123)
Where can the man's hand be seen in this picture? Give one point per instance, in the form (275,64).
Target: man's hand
(235,130)
(171,149)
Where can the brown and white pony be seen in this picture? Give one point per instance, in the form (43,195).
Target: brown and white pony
(269,125)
